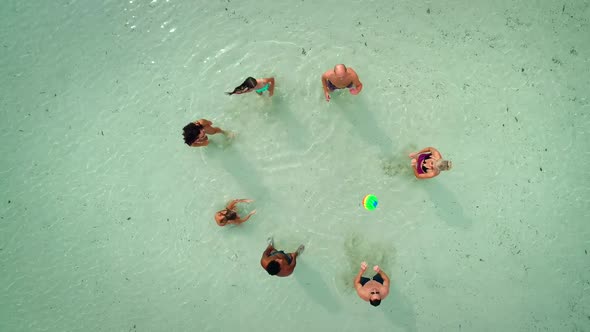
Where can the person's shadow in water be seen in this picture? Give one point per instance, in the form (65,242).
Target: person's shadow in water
(233,161)
(355,111)
(398,309)
(316,288)
(447,205)
(296,131)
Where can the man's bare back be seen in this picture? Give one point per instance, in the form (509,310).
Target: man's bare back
(277,262)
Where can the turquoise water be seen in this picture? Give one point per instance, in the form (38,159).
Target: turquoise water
(107,217)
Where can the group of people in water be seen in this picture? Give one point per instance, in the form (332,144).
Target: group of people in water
(426,163)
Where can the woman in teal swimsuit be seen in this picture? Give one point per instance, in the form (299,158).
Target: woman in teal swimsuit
(427,163)
(252,84)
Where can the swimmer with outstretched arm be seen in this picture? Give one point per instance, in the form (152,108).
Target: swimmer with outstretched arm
(259,85)
(229,215)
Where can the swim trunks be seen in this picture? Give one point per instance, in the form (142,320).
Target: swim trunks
(280,252)
(332,87)
(377,278)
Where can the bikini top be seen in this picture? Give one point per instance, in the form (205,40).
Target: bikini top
(264,88)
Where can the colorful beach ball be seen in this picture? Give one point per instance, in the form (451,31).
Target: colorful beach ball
(370,202)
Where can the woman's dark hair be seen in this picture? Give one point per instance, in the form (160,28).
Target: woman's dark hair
(230,215)
(249,83)
(273,268)
(375,302)
(191,132)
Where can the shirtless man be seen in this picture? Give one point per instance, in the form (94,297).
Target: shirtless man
(341,78)
(373,290)
(277,262)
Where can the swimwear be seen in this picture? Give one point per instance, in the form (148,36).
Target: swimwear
(280,252)
(332,87)
(264,88)
(420,163)
(378,278)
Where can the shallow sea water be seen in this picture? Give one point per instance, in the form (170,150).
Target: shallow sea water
(107,217)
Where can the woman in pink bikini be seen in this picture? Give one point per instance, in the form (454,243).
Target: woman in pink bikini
(427,163)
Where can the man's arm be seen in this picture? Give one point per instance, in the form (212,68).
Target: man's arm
(294,260)
(358,86)
(267,251)
(385,278)
(325,81)
(357,278)
(325,86)
(386,283)
(204,122)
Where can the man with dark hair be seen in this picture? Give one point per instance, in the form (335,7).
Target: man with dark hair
(277,262)
(372,290)
(195,133)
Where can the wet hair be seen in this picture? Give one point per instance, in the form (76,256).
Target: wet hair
(444,165)
(191,132)
(375,303)
(249,83)
(273,268)
(230,215)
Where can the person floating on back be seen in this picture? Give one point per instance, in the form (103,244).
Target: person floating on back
(229,215)
(258,85)
(277,262)
(341,78)
(372,290)
(195,133)
(427,163)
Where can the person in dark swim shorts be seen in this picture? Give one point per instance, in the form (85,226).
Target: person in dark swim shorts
(372,290)
(277,262)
